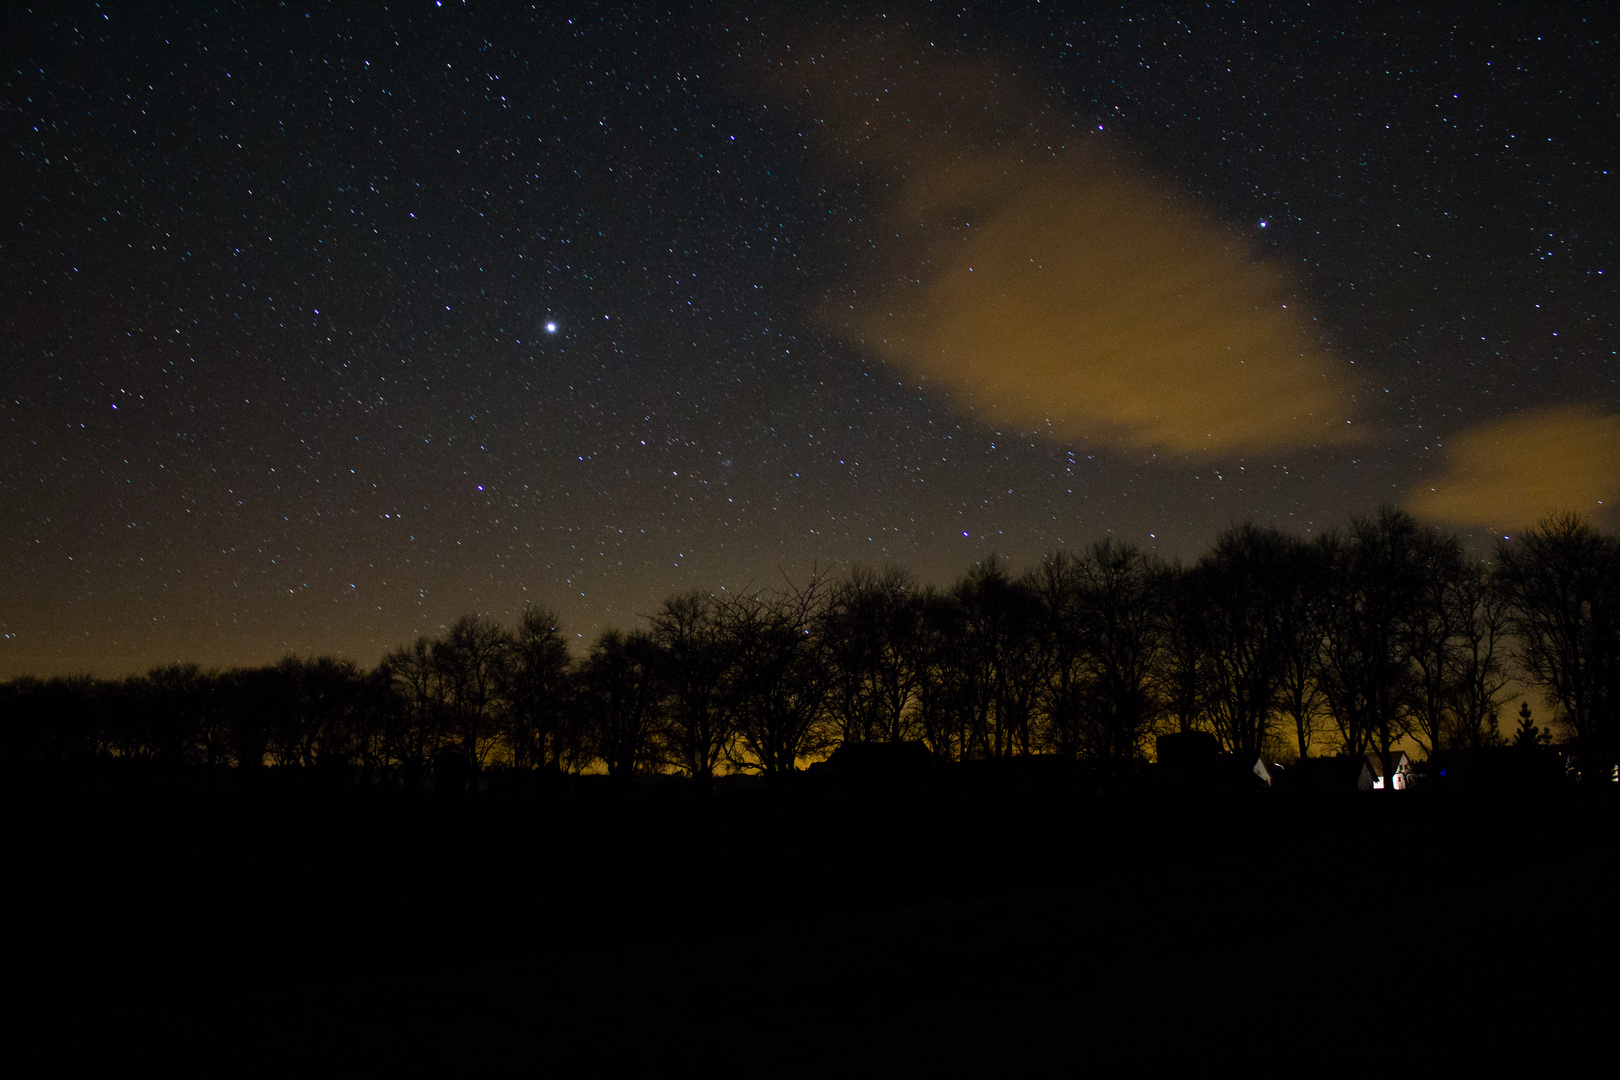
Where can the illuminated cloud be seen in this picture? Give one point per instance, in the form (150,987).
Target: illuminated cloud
(1049,283)
(1510,473)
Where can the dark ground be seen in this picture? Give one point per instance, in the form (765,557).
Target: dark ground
(970,924)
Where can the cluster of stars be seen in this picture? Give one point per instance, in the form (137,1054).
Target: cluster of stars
(322,331)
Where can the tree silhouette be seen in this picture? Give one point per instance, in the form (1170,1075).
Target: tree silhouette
(473,662)
(620,697)
(1527,737)
(62,720)
(872,628)
(1123,634)
(291,735)
(414,720)
(318,712)
(1059,586)
(1375,594)
(1385,628)
(181,717)
(250,698)
(1239,593)
(693,663)
(779,677)
(1002,658)
(945,687)
(542,730)
(1480,622)
(333,693)
(1183,670)
(1434,629)
(1561,580)
(982,664)
(1304,595)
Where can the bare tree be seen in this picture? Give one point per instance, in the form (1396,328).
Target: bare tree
(1239,595)
(1480,618)
(1562,582)
(946,689)
(693,662)
(322,714)
(619,684)
(251,698)
(1183,669)
(183,726)
(413,727)
(1301,624)
(1123,635)
(292,734)
(473,662)
(871,629)
(541,731)
(57,720)
(1374,596)
(334,708)
(780,677)
(971,662)
(1000,650)
(1059,586)
(1434,640)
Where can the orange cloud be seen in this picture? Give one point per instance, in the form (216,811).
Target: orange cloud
(1512,472)
(1057,287)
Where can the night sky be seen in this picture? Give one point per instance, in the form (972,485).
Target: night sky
(319,330)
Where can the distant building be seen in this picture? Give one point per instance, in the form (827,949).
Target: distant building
(881,763)
(1270,773)
(1372,777)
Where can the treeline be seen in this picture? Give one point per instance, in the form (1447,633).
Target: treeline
(1342,644)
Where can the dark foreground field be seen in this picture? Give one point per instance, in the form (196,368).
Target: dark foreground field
(975,923)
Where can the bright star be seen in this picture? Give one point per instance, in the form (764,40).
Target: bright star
(551,328)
